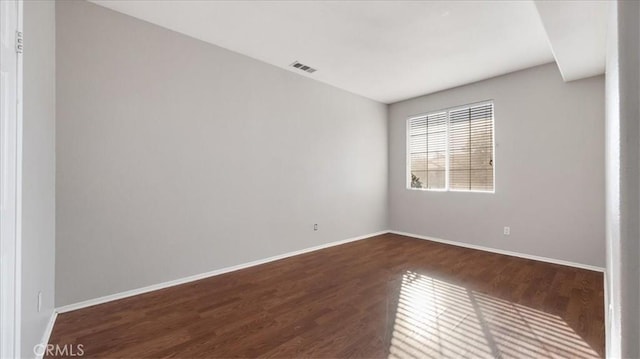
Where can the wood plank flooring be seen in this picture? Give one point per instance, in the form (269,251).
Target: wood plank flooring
(386,296)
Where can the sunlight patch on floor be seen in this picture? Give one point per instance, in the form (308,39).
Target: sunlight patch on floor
(438,319)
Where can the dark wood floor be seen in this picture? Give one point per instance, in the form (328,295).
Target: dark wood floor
(387,296)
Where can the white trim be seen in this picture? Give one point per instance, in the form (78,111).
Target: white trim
(46,336)
(11,172)
(501,251)
(19,113)
(130,293)
(153,287)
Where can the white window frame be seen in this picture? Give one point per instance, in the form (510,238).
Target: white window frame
(448,110)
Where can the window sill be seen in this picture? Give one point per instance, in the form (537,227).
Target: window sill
(448,190)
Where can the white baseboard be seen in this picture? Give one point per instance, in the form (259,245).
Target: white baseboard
(500,251)
(130,293)
(46,336)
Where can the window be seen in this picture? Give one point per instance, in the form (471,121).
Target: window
(452,149)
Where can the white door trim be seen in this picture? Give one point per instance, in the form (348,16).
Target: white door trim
(10,178)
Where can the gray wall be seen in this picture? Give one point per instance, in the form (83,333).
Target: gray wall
(549,169)
(38,171)
(177,157)
(623,181)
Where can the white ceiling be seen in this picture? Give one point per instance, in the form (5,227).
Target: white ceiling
(577,35)
(384,50)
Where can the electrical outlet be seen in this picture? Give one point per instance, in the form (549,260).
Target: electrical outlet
(507,231)
(39,301)
(315,227)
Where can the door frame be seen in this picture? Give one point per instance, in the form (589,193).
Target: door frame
(11,172)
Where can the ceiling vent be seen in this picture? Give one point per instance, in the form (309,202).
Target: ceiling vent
(303,67)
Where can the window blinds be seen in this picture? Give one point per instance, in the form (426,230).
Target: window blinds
(428,151)
(452,149)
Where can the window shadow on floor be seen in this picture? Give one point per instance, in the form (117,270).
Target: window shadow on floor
(437,319)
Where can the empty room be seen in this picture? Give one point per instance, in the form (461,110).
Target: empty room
(320,179)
